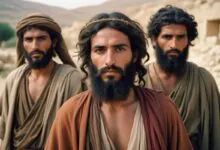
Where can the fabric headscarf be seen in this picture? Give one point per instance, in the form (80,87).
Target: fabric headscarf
(44,21)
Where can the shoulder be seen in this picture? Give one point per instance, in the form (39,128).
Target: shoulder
(16,74)
(201,70)
(206,76)
(67,70)
(17,71)
(75,103)
(159,100)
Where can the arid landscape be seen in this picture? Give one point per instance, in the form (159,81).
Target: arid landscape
(205,53)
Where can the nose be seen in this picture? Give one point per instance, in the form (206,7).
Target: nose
(173,43)
(109,59)
(34,45)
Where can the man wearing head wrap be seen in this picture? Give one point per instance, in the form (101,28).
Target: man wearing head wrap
(115,114)
(192,88)
(39,86)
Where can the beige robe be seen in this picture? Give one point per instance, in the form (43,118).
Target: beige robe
(198,99)
(66,83)
(137,140)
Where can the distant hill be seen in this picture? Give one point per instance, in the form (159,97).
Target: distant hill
(12,10)
(109,6)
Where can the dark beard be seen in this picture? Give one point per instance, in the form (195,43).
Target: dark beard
(112,90)
(39,63)
(174,65)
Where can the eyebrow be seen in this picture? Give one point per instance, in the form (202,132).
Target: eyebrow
(39,36)
(120,45)
(98,46)
(173,34)
(116,45)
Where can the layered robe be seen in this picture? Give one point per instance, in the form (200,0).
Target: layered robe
(65,83)
(197,97)
(163,127)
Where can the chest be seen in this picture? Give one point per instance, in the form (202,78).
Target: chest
(162,81)
(36,88)
(119,126)
(168,84)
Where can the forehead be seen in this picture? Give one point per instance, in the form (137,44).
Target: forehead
(35,32)
(174,29)
(109,35)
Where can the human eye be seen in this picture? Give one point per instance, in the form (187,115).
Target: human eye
(167,36)
(180,37)
(99,50)
(120,48)
(28,39)
(42,38)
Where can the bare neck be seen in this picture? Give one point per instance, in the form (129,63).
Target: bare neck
(168,81)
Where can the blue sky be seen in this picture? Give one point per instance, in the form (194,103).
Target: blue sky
(69,4)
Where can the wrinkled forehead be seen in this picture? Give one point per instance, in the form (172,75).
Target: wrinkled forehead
(174,29)
(35,32)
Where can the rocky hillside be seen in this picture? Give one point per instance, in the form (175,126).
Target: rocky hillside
(12,10)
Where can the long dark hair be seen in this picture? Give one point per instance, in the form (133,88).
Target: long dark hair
(59,48)
(123,24)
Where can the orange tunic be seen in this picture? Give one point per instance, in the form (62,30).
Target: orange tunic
(163,126)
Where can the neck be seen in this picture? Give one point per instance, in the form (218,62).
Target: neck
(116,104)
(46,71)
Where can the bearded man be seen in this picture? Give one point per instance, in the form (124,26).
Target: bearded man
(192,88)
(39,86)
(115,114)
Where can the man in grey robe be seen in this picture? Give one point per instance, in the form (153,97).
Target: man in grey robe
(192,88)
(39,86)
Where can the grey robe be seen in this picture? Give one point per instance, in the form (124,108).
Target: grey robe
(66,83)
(198,99)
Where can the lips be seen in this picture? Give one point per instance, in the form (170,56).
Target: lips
(37,54)
(173,52)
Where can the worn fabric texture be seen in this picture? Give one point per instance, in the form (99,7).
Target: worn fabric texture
(164,129)
(66,82)
(98,135)
(197,97)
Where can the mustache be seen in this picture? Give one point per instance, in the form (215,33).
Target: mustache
(110,68)
(37,52)
(173,50)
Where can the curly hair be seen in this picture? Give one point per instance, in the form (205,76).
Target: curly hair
(172,15)
(122,23)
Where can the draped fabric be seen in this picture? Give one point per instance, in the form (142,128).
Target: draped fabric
(163,127)
(29,116)
(100,139)
(65,83)
(198,99)
(38,19)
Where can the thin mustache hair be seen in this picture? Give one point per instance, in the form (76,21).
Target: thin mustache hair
(173,50)
(108,68)
(37,51)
